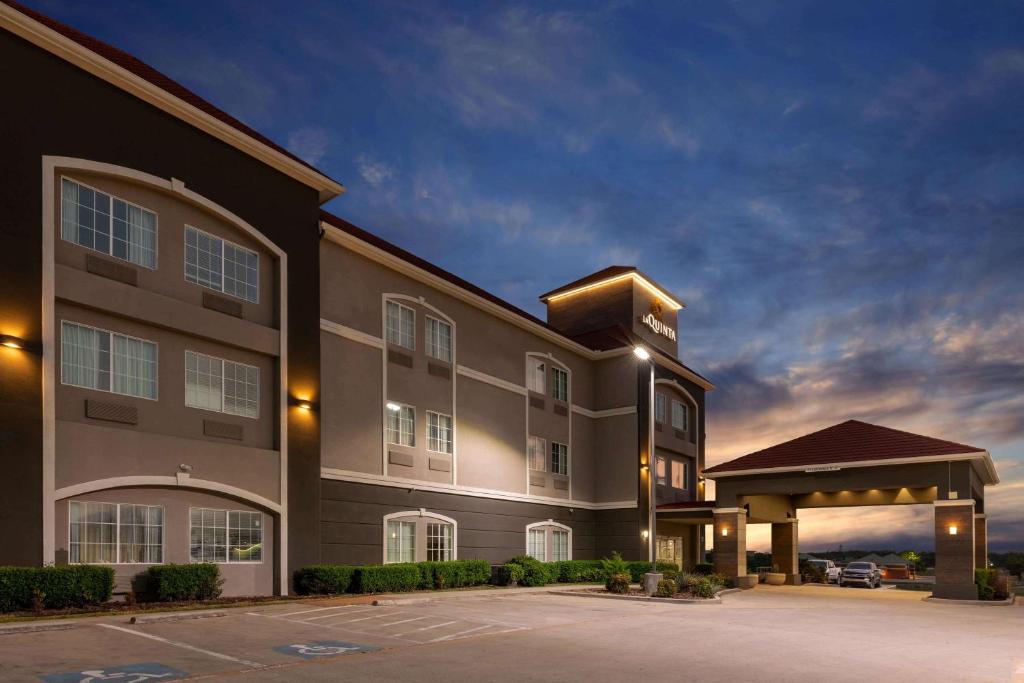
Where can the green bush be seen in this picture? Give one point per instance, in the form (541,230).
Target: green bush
(386,578)
(535,572)
(686,580)
(637,569)
(666,588)
(323,579)
(618,583)
(614,565)
(508,574)
(167,582)
(704,588)
(454,574)
(577,571)
(23,588)
(992,584)
(704,568)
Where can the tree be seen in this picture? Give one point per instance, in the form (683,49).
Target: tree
(911,556)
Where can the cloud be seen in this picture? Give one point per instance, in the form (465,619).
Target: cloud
(373,171)
(309,144)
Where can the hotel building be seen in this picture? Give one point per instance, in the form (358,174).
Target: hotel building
(199,364)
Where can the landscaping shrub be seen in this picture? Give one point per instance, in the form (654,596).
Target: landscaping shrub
(686,580)
(811,573)
(666,588)
(166,582)
(704,588)
(577,571)
(614,565)
(454,573)
(704,568)
(323,579)
(386,578)
(638,568)
(508,574)
(535,572)
(23,588)
(618,583)
(992,584)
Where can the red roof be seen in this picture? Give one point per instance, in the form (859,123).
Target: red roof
(850,441)
(148,73)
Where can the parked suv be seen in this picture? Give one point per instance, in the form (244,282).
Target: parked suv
(828,569)
(864,573)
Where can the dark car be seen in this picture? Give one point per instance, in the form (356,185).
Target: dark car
(862,573)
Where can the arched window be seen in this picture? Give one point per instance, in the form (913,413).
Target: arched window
(549,541)
(419,536)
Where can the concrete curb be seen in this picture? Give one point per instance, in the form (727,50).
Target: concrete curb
(176,616)
(393,599)
(984,603)
(639,598)
(387,602)
(35,627)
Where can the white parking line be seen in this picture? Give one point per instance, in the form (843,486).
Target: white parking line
(403,621)
(460,633)
(309,611)
(425,628)
(379,616)
(331,616)
(185,646)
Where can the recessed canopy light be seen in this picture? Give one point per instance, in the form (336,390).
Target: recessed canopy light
(641,353)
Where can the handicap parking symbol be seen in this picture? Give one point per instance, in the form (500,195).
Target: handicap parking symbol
(322,648)
(130,673)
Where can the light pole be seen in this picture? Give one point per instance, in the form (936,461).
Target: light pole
(652,504)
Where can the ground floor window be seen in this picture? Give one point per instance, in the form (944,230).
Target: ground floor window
(549,541)
(225,535)
(419,536)
(108,533)
(670,549)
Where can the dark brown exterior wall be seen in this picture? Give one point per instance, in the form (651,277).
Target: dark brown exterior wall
(488,529)
(53,108)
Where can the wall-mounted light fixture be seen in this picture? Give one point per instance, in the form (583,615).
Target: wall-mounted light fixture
(12,342)
(644,534)
(725,531)
(952,530)
(393,407)
(641,353)
(644,467)
(305,405)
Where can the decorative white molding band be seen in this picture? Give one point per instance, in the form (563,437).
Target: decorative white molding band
(949,503)
(492,380)
(181,479)
(351,333)
(608,412)
(396,482)
(725,511)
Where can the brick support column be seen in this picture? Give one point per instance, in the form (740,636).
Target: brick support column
(954,550)
(784,550)
(730,544)
(980,541)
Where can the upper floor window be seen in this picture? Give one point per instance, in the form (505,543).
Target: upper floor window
(659,408)
(221,265)
(560,379)
(679,473)
(535,447)
(107,361)
(108,533)
(401,323)
(661,468)
(401,425)
(559,458)
(439,432)
(107,224)
(225,386)
(680,415)
(225,535)
(439,339)
(535,374)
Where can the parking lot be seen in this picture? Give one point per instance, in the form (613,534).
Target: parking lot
(768,634)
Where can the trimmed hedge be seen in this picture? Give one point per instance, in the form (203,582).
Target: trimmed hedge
(454,573)
(23,588)
(535,572)
(577,571)
(637,569)
(323,579)
(386,578)
(181,582)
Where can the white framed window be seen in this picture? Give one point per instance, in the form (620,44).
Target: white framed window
(220,265)
(536,370)
(439,339)
(225,535)
(536,454)
(679,474)
(680,415)
(659,408)
(560,382)
(538,543)
(661,466)
(549,541)
(559,458)
(418,536)
(439,541)
(221,385)
(107,361)
(439,432)
(107,224)
(402,426)
(115,533)
(401,325)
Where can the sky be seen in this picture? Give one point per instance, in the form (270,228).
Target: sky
(836,190)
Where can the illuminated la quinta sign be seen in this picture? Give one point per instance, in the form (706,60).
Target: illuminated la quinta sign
(654,322)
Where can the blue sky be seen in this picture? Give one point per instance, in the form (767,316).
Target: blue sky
(835,190)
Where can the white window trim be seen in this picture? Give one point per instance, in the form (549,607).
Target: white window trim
(686,415)
(544,452)
(399,342)
(110,252)
(421,516)
(259,393)
(568,467)
(415,436)
(547,526)
(531,359)
(664,404)
(427,342)
(117,536)
(184,264)
(554,384)
(156,380)
(452,430)
(227,530)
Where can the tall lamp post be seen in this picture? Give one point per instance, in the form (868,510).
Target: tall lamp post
(652,504)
